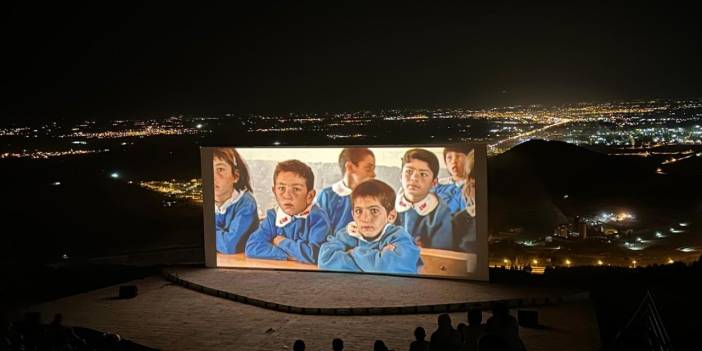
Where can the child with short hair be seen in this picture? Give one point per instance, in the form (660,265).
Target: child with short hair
(235,208)
(420,211)
(371,243)
(296,227)
(459,158)
(357,164)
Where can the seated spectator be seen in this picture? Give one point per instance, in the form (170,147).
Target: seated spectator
(492,342)
(380,346)
(337,344)
(445,337)
(299,345)
(419,344)
(505,326)
(474,330)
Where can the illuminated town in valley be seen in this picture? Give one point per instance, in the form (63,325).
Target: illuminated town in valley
(666,132)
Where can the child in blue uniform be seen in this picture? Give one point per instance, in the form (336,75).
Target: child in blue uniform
(450,188)
(296,228)
(371,243)
(357,165)
(420,211)
(464,223)
(235,207)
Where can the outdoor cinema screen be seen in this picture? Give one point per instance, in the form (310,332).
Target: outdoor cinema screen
(403,210)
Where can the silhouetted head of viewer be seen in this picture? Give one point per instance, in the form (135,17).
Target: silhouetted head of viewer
(380,346)
(500,309)
(337,344)
(299,345)
(444,321)
(420,334)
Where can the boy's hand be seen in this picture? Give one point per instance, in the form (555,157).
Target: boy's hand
(350,251)
(278,239)
(389,247)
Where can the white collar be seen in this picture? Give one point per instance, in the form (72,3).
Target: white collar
(282,219)
(341,189)
(423,207)
(352,229)
(449,180)
(232,200)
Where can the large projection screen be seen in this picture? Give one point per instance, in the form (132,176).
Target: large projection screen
(412,210)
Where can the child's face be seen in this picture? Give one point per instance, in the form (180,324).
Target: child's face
(417,179)
(363,171)
(291,193)
(370,216)
(456,163)
(224,178)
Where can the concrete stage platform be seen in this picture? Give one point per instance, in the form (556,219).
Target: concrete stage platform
(327,293)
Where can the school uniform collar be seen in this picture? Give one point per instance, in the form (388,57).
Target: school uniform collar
(423,206)
(352,229)
(282,219)
(232,200)
(449,180)
(341,189)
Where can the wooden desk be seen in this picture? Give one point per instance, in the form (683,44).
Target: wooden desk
(436,262)
(240,260)
(447,263)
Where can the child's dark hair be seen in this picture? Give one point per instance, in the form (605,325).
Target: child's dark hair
(422,155)
(376,189)
(419,333)
(460,148)
(297,167)
(234,160)
(353,155)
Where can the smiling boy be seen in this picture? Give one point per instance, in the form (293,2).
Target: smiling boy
(296,227)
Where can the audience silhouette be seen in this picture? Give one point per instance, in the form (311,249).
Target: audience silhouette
(337,344)
(505,326)
(380,346)
(299,345)
(445,338)
(419,344)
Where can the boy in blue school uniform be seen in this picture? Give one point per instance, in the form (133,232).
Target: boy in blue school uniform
(371,243)
(235,207)
(420,211)
(357,165)
(296,228)
(450,189)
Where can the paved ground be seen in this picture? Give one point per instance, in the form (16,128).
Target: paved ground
(170,317)
(343,290)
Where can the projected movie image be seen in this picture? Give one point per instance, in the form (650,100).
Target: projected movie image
(390,210)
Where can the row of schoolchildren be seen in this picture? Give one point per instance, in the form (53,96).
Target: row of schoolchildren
(357,224)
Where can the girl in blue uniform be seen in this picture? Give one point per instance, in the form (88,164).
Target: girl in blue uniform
(450,189)
(420,211)
(235,207)
(296,228)
(357,165)
(464,223)
(371,243)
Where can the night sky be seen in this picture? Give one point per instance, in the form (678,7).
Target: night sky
(138,61)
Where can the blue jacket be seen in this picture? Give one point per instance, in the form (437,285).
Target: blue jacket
(369,256)
(428,221)
(234,222)
(336,201)
(451,193)
(304,234)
